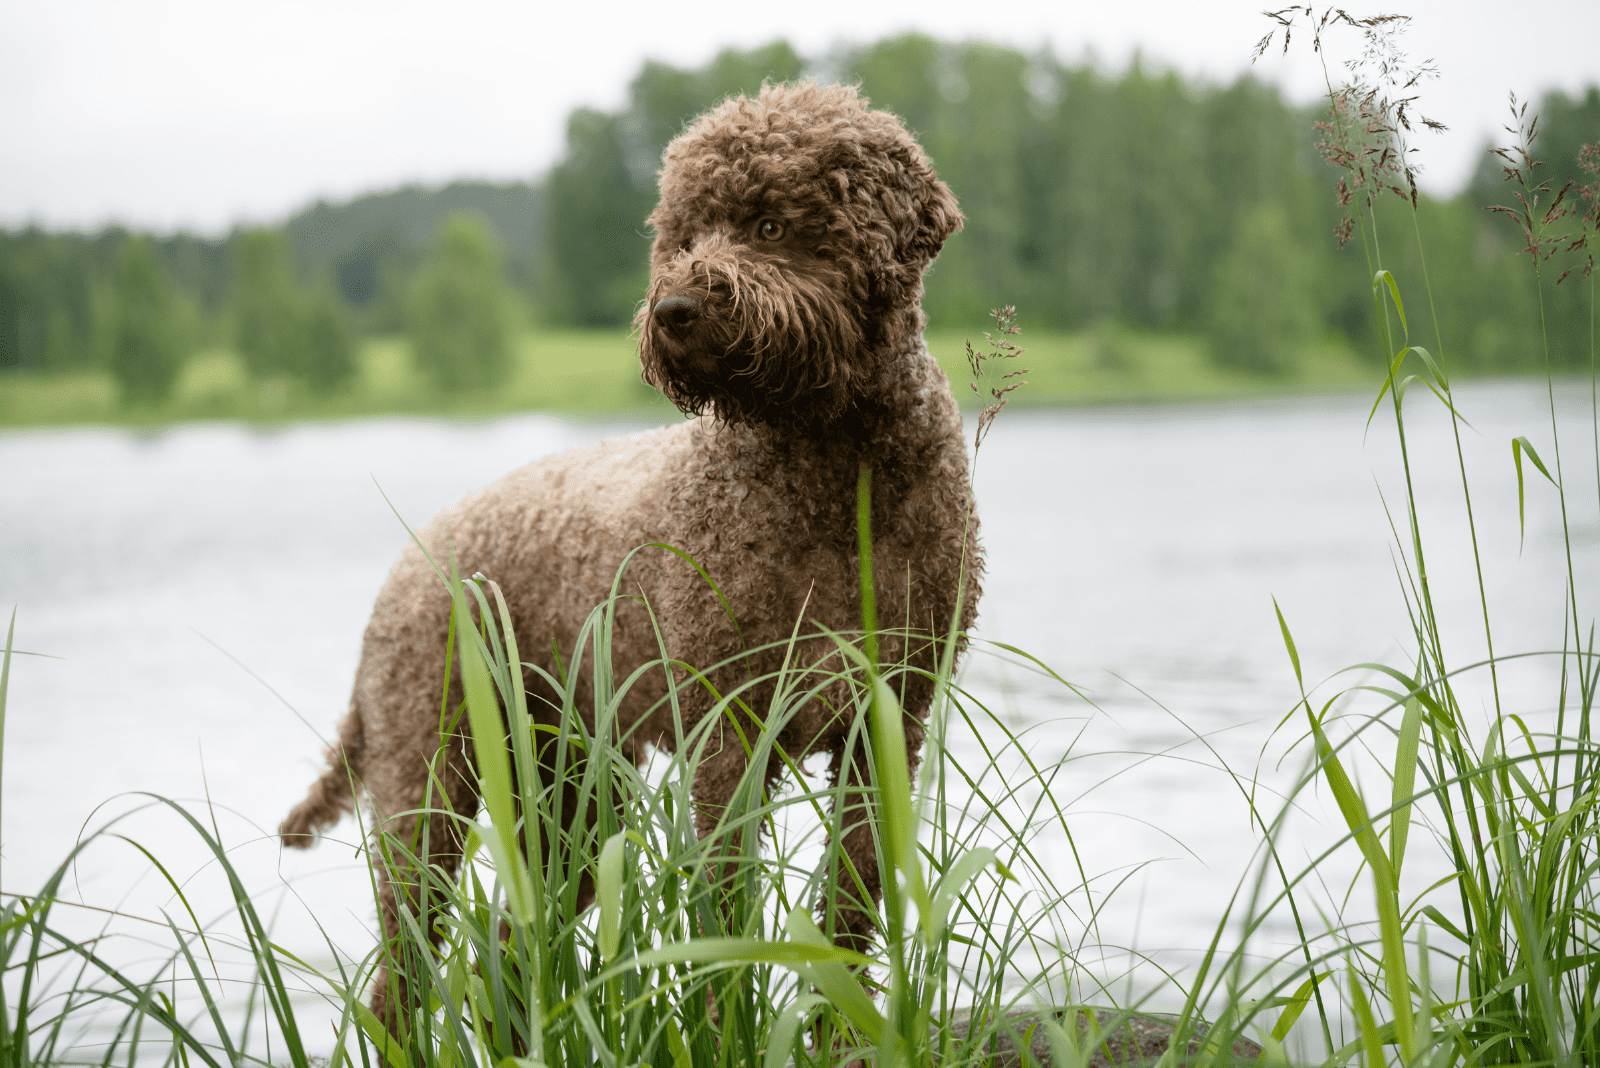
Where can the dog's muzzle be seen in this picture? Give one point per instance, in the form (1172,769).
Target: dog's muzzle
(676,314)
(687,341)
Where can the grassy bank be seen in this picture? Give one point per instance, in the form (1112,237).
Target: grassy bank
(598,370)
(576,371)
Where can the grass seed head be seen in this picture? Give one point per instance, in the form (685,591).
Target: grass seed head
(1372,112)
(999,348)
(1587,195)
(1519,165)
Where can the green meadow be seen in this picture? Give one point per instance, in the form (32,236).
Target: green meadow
(588,371)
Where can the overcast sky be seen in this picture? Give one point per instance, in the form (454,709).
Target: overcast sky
(199,114)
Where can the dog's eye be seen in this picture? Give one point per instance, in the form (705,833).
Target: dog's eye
(770,230)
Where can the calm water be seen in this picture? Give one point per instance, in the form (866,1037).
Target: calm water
(204,591)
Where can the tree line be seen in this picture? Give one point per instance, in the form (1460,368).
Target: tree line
(138,307)
(1138,198)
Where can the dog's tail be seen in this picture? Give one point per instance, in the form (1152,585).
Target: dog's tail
(333,794)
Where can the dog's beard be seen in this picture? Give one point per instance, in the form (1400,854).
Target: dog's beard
(769,345)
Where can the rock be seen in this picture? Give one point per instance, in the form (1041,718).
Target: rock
(1123,1040)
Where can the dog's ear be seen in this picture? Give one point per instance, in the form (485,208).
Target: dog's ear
(920,215)
(938,217)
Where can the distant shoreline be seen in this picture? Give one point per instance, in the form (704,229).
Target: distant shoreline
(595,372)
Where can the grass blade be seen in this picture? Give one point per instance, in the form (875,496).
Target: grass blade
(1405,779)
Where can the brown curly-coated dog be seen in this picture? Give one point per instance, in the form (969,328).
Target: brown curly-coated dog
(791,238)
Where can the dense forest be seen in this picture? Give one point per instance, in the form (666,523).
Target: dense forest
(1138,198)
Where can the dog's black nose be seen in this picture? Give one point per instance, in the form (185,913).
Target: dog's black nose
(677,313)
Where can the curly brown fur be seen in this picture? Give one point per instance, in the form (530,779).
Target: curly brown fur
(792,234)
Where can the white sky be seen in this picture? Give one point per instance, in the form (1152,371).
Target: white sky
(198,114)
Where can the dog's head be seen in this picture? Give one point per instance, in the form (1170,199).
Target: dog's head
(791,238)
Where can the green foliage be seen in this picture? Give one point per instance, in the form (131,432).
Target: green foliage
(372,246)
(460,311)
(147,341)
(1262,310)
(598,240)
(1087,196)
(64,347)
(282,331)
(45,279)
(266,306)
(329,354)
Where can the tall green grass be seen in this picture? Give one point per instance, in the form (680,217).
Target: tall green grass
(1507,796)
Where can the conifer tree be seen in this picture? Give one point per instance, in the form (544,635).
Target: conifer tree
(266,306)
(329,349)
(147,349)
(460,311)
(1262,311)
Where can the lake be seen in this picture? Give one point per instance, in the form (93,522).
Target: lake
(199,595)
